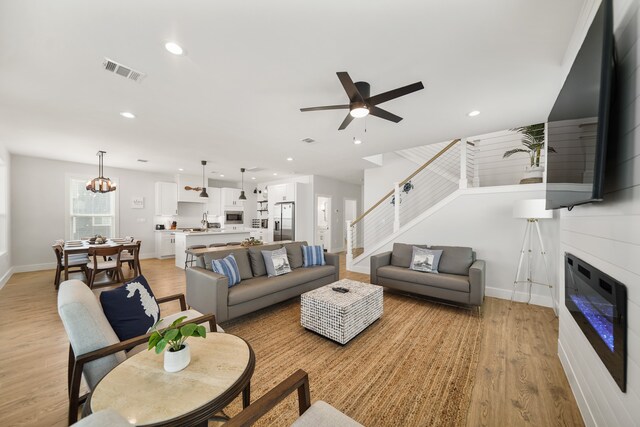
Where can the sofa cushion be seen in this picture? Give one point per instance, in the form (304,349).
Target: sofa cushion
(131,308)
(294,253)
(455,259)
(241,256)
(257,260)
(260,286)
(452,282)
(277,262)
(401,255)
(227,266)
(425,260)
(313,255)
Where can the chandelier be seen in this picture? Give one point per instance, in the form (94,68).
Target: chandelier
(101,184)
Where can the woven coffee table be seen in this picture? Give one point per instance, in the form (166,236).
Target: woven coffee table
(337,316)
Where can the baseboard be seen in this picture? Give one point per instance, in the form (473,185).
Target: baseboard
(359,269)
(34,267)
(583,405)
(4,279)
(541,300)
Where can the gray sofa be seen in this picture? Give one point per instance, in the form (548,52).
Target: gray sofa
(461,276)
(208,292)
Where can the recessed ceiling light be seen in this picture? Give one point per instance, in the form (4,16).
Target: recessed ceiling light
(128,115)
(180,169)
(221,175)
(356,141)
(473,113)
(289,159)
(275,174)
(174,48)
(253,177)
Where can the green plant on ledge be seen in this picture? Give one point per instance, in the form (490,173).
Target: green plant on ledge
(533,140)
(173,336)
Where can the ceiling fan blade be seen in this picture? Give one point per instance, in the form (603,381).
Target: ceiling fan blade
(327,107)
(396,93)
(384,114)
(349,87)
(346,121)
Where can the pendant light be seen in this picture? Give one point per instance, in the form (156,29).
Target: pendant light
(242,196)
(203,193)
(101,184)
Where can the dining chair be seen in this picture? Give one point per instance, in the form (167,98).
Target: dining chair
(94,347)
(234,244)
(132,257)
(98,263)
(217,245)
(77,264)
(320,414)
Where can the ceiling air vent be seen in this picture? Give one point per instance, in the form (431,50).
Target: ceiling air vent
(309,140)
(124,71)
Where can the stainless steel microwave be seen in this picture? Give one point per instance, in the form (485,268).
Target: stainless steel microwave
(233,217)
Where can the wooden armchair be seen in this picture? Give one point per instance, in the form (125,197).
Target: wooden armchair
(320,414)
(94,348)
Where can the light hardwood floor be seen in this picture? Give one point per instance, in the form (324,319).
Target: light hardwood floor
(519,381)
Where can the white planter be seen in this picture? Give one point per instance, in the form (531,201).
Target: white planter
(532,174)
(175,361)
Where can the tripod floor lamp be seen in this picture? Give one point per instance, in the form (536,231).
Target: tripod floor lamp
(532,210)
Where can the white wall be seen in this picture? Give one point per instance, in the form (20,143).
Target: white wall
(5,187)
(38,207)
(483,220)
(607,235)
(337,191)
(378,181)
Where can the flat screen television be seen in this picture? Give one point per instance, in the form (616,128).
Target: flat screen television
(578,125)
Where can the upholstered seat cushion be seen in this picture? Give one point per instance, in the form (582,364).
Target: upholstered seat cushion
(257,260)
(321,414)
(402,253)
(455,259)
(294,254)
(105,418)
(452,282)
(76,260)
(103,265)
(258,287)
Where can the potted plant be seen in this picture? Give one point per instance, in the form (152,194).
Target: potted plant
(178,356)
(251,241)
(533,140)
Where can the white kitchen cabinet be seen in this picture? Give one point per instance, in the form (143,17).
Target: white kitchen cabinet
(229,199)
(260,234)
(282,192)
(166,198)
(213,207)
(165,244)
(192,181)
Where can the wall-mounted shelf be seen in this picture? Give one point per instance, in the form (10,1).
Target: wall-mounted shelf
(262,201)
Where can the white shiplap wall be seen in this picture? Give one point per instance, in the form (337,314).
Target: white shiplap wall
(607,235)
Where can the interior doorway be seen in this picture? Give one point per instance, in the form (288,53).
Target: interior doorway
(350,214)
(323,222)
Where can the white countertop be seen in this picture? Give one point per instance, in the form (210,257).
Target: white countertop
(209,233)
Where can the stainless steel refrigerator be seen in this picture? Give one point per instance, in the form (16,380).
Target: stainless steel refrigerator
(284,221)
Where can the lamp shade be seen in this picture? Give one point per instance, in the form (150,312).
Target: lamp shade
(531,208)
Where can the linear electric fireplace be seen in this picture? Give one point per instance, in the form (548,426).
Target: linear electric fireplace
(598,303)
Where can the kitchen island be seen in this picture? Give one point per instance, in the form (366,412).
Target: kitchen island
(184,239)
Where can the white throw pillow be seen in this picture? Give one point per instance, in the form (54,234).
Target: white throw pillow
(276,262)
(425,260)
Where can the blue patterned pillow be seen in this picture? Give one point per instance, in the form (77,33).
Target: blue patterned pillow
(313,255)
(227,266)
(131,309)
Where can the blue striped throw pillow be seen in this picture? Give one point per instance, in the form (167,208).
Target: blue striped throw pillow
(313,255)
(227,266)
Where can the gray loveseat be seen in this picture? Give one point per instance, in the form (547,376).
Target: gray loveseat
(208,292)
(461,276)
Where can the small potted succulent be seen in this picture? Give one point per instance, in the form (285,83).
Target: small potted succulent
(178,356)
(251,241)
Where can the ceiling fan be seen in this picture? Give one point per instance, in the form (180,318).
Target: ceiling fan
(361,103)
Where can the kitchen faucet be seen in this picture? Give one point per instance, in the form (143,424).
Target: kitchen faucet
(205,221)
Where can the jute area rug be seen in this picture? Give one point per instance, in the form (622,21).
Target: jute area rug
(413,367)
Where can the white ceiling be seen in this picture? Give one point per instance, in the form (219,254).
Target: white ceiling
(234,99)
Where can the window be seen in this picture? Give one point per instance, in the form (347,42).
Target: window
(4,195)
(90,213)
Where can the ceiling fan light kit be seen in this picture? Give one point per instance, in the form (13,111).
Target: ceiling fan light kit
(101,184)
(361,104)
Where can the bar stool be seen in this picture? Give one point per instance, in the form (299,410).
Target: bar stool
(233,244)
(217,245)
(190,259)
